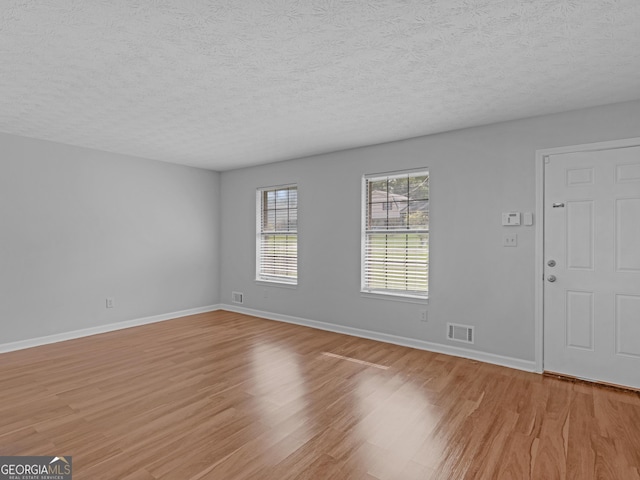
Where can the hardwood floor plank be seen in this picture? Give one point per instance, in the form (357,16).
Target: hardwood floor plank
(225,395)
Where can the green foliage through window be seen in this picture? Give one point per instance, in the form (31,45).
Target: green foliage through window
(396,234)
(277,236)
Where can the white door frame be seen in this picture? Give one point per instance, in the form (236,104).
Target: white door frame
(539,230)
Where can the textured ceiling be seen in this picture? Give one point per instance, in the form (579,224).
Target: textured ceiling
(223,84)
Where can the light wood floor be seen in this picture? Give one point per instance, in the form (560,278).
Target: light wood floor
(227,396)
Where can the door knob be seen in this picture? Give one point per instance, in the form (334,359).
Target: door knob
(551,263)
(551,278)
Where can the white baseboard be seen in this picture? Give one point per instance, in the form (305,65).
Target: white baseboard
(85,332)
(519,364)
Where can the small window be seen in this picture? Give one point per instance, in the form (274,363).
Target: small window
(277,234)
(395,241)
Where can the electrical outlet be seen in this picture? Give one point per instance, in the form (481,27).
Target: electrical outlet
(510,240)
(110,302)
(265,293)
(423,315)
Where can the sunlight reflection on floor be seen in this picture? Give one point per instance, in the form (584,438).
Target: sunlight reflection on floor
(397,425)
(279,390)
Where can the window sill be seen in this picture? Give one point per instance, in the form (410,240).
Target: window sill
(275,283)
(394,297)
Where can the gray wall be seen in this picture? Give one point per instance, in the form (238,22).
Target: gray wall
(476,174)
(78,225)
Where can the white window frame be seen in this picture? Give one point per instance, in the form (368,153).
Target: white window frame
(391,293)
(262,277)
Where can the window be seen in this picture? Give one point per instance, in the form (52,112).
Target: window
(277,234)
(395,241)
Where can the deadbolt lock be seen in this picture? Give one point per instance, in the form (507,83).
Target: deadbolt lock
(551,263)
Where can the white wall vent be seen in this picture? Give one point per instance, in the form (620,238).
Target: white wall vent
(460,333)
(236,297)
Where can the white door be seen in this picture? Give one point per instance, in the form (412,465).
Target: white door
(592,265)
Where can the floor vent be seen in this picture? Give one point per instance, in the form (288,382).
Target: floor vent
(460,333)
(236,297)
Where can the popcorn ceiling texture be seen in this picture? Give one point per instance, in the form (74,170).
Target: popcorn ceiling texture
(224,84)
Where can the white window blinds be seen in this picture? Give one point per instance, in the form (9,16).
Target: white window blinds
(395,234)
(277,234)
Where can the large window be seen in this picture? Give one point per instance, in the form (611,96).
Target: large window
(395,234)
(277,234)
